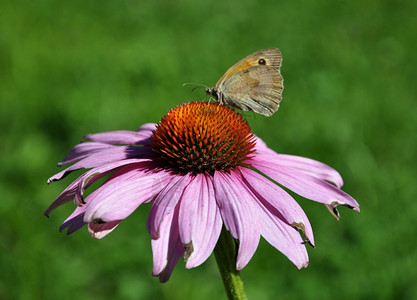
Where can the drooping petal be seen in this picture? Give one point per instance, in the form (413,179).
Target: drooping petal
(199,220)
(121,137)
(94,174)
(167,248)
(66,196)
(165,202)
(75,221)
(105,157)
(84,150)
(278,202)
(306,185)
(239,213)
(124,191)
(74,192)
(160,246)
(306,165)
(284,238)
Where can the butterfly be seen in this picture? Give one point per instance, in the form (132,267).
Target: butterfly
(252,84)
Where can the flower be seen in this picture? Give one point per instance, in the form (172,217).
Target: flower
(202,168)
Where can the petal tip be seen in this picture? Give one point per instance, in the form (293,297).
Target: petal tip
(86,138)
(189,249)
(302,230)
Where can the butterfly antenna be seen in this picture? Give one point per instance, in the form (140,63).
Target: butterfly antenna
(197,85)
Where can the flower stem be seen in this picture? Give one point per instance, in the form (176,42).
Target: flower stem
(225,254)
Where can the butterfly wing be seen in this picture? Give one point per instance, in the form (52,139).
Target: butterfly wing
(254,83)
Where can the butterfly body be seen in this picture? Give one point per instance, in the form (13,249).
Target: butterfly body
(252,84)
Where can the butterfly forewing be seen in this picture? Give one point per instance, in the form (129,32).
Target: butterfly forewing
(252,84)
(271,55)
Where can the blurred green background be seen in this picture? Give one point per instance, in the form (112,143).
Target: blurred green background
(68,68)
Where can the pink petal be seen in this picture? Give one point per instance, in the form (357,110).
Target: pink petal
(165,202)
(124,191)
(147,127)
(83,150)
(105,157)
(261,146)
(199,220)
(75,221)
(305,185)
(74,192)
(168,248)
(102,141)
(66,196)
(306,165)
(121,137)
(240,214)
(160,246)
(284,238)
(92,175)
(277,202)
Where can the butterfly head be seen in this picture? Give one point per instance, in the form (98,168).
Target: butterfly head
(213,92)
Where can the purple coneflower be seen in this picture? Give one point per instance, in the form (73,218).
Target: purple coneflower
(202,168)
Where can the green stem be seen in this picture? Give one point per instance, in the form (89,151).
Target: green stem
(225,254)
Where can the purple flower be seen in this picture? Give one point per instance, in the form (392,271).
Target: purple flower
(202,168)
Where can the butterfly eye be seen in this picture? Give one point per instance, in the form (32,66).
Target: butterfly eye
(261,61)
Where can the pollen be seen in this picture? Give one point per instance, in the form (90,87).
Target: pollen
(202,137)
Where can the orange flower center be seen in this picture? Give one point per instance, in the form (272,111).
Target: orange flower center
(201,137)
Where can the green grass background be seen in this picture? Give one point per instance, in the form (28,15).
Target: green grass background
(68,68)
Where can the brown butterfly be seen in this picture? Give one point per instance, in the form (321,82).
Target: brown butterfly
(252,84)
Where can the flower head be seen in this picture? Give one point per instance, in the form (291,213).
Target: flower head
(202,168)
